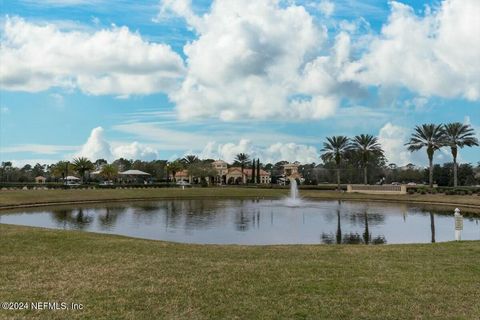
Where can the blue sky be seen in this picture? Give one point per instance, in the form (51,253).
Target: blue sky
(158,79)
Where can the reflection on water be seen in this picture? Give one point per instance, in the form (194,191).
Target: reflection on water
(78,218)
(255,221)
(355,238)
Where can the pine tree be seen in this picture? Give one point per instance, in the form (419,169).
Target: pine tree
(258,171)
(253,171)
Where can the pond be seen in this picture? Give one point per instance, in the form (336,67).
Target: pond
(254,222)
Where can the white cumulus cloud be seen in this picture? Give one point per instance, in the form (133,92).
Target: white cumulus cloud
(249,62)
(115,61)
(135,150)
(326,7)
(267,154)
(436,54)
(97,147)
(393,138)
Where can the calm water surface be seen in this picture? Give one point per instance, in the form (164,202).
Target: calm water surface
(254,221)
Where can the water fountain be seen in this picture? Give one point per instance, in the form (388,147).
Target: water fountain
(294,200)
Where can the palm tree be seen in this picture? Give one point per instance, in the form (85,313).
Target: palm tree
(109,172)
(458,135)
(430,136)
(82,165)
(335,149)
(242,158)
(190,159)
(174,167)
(367,147)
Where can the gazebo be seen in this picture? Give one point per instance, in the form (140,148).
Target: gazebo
(134,176)
(40,179)
(71,180)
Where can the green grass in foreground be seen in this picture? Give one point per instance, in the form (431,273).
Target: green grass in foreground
(122,278)
(45,196)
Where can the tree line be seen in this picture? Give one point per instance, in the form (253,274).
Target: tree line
(364,149)
(346,156)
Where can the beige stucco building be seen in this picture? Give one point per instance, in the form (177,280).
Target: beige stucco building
(234,176)
(290,171)
(40,179)
(225,175)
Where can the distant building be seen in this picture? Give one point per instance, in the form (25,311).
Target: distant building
(234,175)
(181,176)
(290,171)
(222,170)
(40,179)
(225,175)
(133,176)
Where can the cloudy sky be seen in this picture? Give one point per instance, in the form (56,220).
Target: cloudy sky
(158,79)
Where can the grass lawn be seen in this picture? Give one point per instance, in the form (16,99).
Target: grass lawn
(11,198)
(116,277)
(122,278)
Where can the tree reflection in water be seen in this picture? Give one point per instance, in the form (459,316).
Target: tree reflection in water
(366,234)
(241,223)
(269,221)
(354,238)
(109,217)
(339,226)
(70,218)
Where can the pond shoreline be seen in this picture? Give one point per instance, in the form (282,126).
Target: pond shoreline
(20,199)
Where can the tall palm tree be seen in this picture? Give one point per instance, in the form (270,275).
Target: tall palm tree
(367,147)
(242,158)
(190,159)
(431,137)
(82,165)
(458,135)
(335,149)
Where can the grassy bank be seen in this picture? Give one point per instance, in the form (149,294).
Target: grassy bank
(122,278)
(21,197)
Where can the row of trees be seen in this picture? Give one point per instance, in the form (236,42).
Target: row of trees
(433,137)
(344,155)
(314,173)
(365,148)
